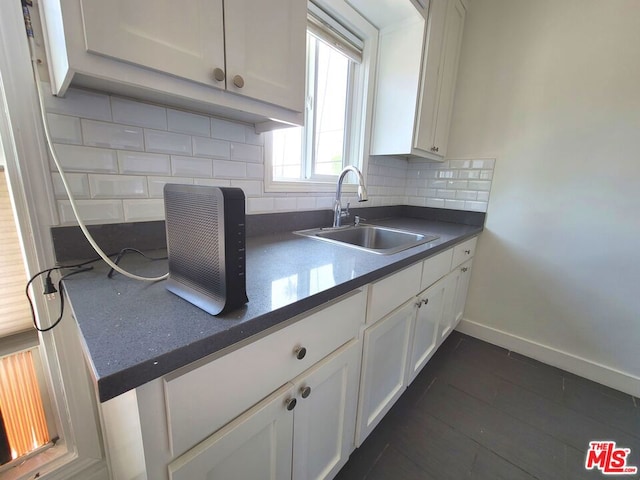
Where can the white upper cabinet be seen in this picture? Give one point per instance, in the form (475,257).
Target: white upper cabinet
(417,69)
(148,33)
(243,60)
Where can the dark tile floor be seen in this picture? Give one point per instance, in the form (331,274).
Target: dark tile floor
(478,411)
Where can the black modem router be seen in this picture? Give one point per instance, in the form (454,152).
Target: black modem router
(206,245)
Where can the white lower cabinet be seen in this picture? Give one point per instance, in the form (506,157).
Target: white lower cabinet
(384,364)
(430,305)
(257,445)
(456,289)
(304,430)
(325,414)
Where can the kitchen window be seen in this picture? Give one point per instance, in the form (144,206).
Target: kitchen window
(338,80)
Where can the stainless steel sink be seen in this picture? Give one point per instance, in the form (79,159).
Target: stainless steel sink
(380,240)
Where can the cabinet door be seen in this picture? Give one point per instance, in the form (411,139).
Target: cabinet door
(454,24)
(425,335)
(462,288)
(266,50)
(426,116)
(384,364)
(255,446)
(184,38)
(325,416)
(449,304)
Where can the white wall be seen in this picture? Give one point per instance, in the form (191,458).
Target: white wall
(551,88)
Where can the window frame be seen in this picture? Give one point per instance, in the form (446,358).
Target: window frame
(78,452)
(362,90)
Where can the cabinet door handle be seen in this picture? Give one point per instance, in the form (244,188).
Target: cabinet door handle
(290,403)
(305,391)
(435,149)
(300,352)
(464,269)
(419,304)
(218,74)
(238,81)
(425,301)
(468,252)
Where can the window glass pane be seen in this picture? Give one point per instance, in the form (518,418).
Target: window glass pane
(331,108)
(287,153)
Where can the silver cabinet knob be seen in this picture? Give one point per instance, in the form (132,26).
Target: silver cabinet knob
(435,149)
(464,269)
(300,352)
(290,403)
(468,252)
(305,391)
(218,74)
(425,301)
(238,81)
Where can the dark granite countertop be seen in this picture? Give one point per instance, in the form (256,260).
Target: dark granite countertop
(135,332)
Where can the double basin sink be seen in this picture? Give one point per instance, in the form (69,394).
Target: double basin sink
(374,239)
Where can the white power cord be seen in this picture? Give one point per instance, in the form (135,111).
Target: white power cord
(72,201)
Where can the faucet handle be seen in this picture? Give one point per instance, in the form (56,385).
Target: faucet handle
(345,212)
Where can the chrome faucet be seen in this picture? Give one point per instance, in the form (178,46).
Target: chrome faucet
(338,213)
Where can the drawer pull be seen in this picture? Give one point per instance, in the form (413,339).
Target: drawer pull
(464,269)
(305,391)
(300,352)
(468,252)
(290,403)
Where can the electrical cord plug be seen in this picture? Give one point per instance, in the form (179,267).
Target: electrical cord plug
(50,289)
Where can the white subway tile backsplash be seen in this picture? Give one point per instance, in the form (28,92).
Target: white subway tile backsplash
(224,130)
(418,201)
(64,129)
(435,202)
(182,166)
(78,182)
(486,175)
(305,203)
(250,136)
(260,205)
(284,203)
(460,164)
(92,211)
(251,188)
(483,185)
(454,204)
(129,112)
(212,182)
(227,169)
(167,142)
(488,163)
(446,194)
(246,153)
(325,202)
(156,184)
(483,196)
(469,174)
(255,170)
(438,183)
(211,147)
(143,210)
(75,158)
(189,123)
(78,103)
(117,186)
(112,135)
(475,206)
(466,195)
(141,163)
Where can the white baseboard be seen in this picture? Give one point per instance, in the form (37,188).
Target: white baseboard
(566,361)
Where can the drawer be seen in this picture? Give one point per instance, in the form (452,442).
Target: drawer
(389,293)
(436,267)
(463,252)
(201,401)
